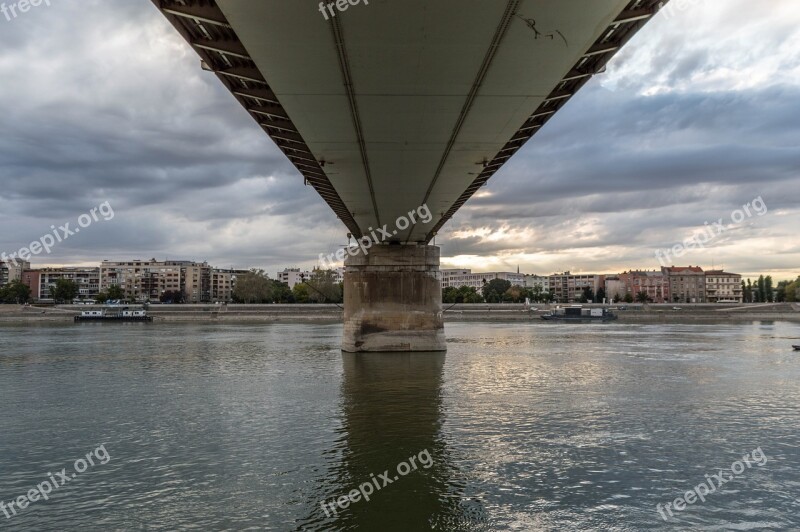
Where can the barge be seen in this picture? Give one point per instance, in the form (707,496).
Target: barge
(124,314)
(578,314)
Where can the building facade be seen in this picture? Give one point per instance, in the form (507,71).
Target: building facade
(686,284)
(569,288)
(723,287)
(653,283)
(543,282)
(293,276)
(42,281)
(464,277)
(149,280)
(12,271)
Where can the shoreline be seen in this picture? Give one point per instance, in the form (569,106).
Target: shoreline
(704,313)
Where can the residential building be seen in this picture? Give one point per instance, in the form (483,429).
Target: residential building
(723,287)
(542,281)
(464,277)
(686,284)
(569,288)
(293,276)
(148,280)
(12,270)
(223,283)
(42,281)
(615,288)
(654,283)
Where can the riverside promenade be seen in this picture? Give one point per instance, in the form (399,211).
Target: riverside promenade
(482,312)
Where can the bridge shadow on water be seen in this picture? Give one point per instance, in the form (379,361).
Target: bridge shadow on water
(392,411)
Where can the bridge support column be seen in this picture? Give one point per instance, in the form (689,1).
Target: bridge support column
(393,300)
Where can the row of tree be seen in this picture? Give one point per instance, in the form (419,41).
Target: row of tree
(15,292)
(255,287)
(762,291)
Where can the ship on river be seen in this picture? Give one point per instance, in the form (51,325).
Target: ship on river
(111,314)
(578,314)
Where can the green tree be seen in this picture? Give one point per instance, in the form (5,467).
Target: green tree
(762,290)
(629,298)
(325,288)
(64,291)
(642,297)
(587,296)
(301,293)
(115,292)
(101,297)
(494,290)
(601,294)
(281,293)
(770,295)
(449,295)
(253,287)
(15,292)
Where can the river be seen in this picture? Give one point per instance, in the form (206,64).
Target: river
(517,427)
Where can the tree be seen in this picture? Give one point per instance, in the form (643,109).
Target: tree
(744,291)
(325,288)
(601,294)
(749,298)
(253,287)
(301,293)
(770,296)
(629,298)
(515,294)
(588,295)
(170,296)
(642,297)
(762,290)
(449,294)
(101,297)
(115,292)
(64,291)
(493,290)
(281,293)
(618,297)
(15,292)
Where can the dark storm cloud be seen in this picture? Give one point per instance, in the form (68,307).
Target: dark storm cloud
(104,101)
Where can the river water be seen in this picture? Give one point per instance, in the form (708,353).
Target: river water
(517,427)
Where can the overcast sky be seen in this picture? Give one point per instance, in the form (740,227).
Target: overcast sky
(699,115)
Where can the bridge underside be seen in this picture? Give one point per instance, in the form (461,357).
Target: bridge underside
(385,106)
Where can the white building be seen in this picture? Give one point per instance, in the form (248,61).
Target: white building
(543,282)
(461,277)
(293,276)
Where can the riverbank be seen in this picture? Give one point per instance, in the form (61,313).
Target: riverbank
(452,313)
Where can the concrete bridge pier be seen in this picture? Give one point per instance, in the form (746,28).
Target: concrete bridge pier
(393,300)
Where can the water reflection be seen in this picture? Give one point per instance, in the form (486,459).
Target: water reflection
(392,410)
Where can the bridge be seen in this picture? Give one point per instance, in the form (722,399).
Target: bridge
(397,111)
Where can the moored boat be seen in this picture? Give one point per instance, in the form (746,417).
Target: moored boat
(124,314)
(580,314)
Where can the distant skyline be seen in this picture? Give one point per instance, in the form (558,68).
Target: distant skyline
(695,118)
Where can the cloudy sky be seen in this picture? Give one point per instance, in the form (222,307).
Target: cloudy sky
(101,100)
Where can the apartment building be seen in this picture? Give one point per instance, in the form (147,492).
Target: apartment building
(542,281)
(293,276)
(148,280)
(12,271)
(42,281)
(569,288)
(464,277)
(686,284)
(654,283)
(723,287)
(615,287)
